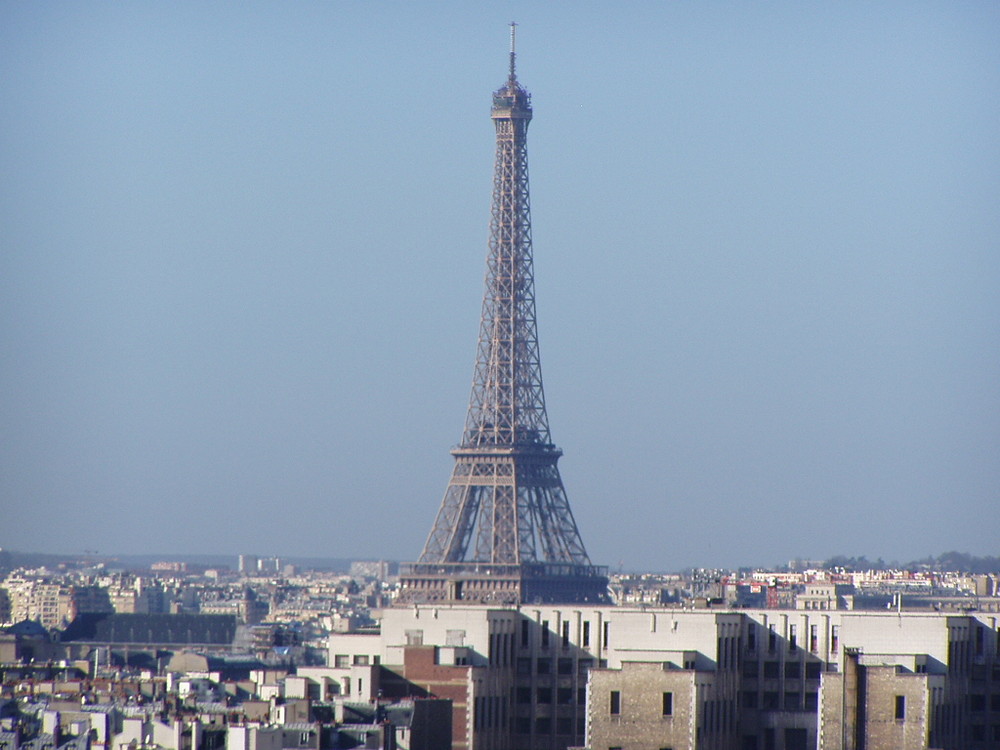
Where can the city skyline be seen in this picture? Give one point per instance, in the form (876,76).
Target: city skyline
(244,263)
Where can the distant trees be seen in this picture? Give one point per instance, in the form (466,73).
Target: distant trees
(961,562)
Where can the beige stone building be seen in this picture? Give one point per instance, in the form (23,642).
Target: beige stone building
(744,679)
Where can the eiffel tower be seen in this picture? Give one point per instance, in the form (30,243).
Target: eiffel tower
(505,533)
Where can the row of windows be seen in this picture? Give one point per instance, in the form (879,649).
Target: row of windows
(545,725)
(544,695)
(563,666)
(793,670)
(546,634)
(770,700)
(358,660)
(793,638)
(615,703)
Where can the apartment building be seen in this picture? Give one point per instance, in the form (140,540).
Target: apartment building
(634,678)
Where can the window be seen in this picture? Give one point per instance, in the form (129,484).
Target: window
(606,624)
(584,665)
(751,669)
(565,634)
(360,660)
(565,666)
(752,637)
(545,633)
(454,638)
(793,670)
(772,638)
(668,704)
(834,638)
(544,695)
(749,699)
(792,701)
(523,725)
(770,700)
(616,702)
(564,725)
(900,707)
(586,634)
(814,638)
(543,725)
(813,669)
(524,695)
(543,666)
(770,670)
(581,696)
(791,637)
(414,637)
(341,660)
(977,702)
(564,696)
(525,625)
(523,665)
(812,701)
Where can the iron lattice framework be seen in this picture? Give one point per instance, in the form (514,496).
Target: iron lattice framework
(505,503)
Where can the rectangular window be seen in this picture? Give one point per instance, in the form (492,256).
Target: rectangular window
(543,666)
(360,660)
(814,638)
(565,634)
(752,637)
(770,670)
(564,725)
(564,696)
(751,669)
(791,637)
(523,665)
(606,634)
(543,725)
(772,638)
(341,660)
(813,669)
(900,707)
(414,637)
(668,704)
(749,699)
(616,702)
(791,701)
(545,633)
(834,638)
(793,670)
(544,695)
(586,634)
(565,666)
(525,625)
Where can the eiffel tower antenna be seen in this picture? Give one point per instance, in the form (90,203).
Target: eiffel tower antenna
(513,34)
(505,532)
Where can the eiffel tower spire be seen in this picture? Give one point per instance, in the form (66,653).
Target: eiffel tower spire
(505,509)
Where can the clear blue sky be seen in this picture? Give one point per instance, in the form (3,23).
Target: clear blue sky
(243,245)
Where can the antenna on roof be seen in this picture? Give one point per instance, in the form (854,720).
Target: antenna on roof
(513,27)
